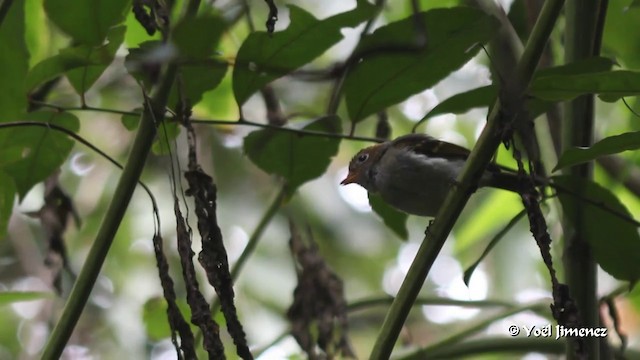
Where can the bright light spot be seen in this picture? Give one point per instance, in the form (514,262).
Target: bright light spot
(354,195)
(417,106)
(29,309)
(80,164)
(283,350)
(163,350)
(237,240)
(77,352)
(534,356)
(532,295)
(406,255)
(439,125)
(102,295)
(142,246)
(32,336)
(447,274)
(446,270)
(232,141)
(392,280)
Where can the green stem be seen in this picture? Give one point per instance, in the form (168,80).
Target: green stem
(454,340)
(480,156)
(124,190)
(580,267)
(495,345)
(367,303)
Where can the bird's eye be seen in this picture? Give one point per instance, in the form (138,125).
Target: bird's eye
(362,157)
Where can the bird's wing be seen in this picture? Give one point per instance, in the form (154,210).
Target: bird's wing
(431,147)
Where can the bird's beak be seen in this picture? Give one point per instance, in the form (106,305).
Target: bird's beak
(350,179)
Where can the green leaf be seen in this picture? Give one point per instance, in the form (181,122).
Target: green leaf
(99,57)
(296,157)
(607,146)
(9,297)
(154,317)
(14,63)
(613,239)
(463,102)
(392,218)
(196,80)
(197,38)
(87,22)
(42,150)
(610,85)
(263,58)
(130,122)
(83,64)
(590,65)
(618,40)
(167,133)
(7,195)
(481,97)
(388,76)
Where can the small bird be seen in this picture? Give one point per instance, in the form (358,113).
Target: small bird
(414,172)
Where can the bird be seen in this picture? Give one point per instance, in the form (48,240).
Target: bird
(413,173)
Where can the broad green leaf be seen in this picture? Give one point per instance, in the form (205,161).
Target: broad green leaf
(14,63)
(394,219)
(219,102)
(130,122)
(463,102)
(484,96)
(154,317)
(87,22)
(613,239)
(263,58)
(42,150)
(7,195)
(83,64)
(607,146)
(9,297)
(295,157)
(618,40)
(197,38)
(391,71)
(167,133)
(195,80)
(590,65)
(101,56)
(36,31)
(610,85)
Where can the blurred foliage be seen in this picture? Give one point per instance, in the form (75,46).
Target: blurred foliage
(81,66)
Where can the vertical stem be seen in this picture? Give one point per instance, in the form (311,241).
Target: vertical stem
(580,267)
